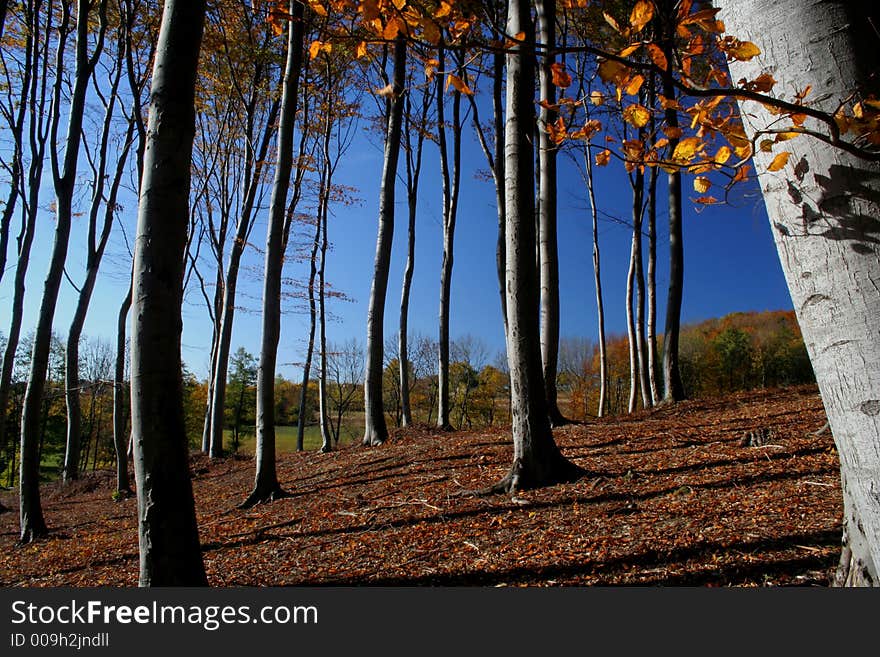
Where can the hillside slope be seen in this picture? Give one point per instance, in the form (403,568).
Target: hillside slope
(673,497)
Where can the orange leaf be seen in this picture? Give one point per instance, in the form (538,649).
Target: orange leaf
(459,84)
(603,158)
(610,20)
(779,161)
(702,184)
(559,75)
(361,50)
(634,84)
(641,15)
(657,56)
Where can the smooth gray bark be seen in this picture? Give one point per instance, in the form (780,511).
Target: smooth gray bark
(266,486)
(120,416)
(450,191)
(547,210)
(823,208)
(536,458)
(168,536)
(375,428)
(597,277)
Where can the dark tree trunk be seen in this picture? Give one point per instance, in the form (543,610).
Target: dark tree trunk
(375,429)
(168,536)
(536,458)
(266,486)
(120,417)
(673,390)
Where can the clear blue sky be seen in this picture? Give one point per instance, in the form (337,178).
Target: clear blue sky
(730,263)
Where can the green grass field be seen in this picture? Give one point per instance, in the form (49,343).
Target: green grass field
(285,438)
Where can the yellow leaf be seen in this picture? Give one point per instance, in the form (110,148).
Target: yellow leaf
(629,50)
(686,149)
(459,84)
(315,48)
(361,50)
(444,10)
(597,98)
(431,68)
(641,15)
(633,86)
(636,115)
(318,8)
(779,161)
(702,184)
(722,155)
(766,145)
(387,90)
(611,71)
(603,158)
(559,75)
(743,51)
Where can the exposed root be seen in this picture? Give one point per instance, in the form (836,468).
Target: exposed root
(261,495)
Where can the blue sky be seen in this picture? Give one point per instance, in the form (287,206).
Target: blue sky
(730,262)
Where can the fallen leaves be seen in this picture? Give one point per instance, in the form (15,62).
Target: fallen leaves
(671,499)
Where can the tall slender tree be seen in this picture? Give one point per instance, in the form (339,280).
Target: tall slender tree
(266,486)
(168,536)
(375,428)
(64,173)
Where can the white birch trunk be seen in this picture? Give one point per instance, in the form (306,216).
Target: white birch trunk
(823,208)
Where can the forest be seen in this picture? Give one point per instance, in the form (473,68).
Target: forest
(154,141)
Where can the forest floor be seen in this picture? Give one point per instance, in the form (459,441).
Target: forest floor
(671,497)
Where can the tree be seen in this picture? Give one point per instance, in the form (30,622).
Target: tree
(375,429)
(64,173)
(823,205)
(168,537)
(536,458)
(266,486)
(239,400)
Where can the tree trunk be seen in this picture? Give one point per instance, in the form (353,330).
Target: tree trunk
(672,386)
(450,186)
(266,486)
(536,458)
(651,208)
(310,347)
(96,246)
(375,429)
(549,260)
(600,306)
(64,178)
(168,536)
(823,208)
(120,417)
(323,211)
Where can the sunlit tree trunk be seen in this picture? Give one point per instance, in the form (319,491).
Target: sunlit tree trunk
(266,486)
(375,428)
(64,173)
(168,537)
(823,208)
(597,277)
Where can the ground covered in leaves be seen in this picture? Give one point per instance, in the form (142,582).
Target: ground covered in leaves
(673,496)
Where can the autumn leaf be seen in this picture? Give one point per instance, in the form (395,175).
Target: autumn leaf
(779,161)
(361,50)
(702,184)
(722,155)
(597,98)
(686,149)
(318,47)
(444,10)
(641,15)
(634,84)
(610,20)
(636,115)
(557,131)
(277,18)
(458,83)
(706,200)
(559,75)
(318,8)
(603,158)
(431,68)
(657,56)
(612,71)
(738,50)
(673,132)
